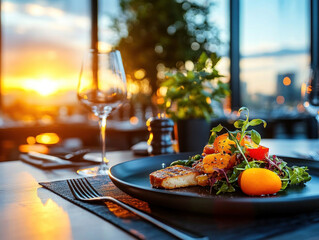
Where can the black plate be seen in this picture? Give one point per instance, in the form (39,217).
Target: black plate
(132,177)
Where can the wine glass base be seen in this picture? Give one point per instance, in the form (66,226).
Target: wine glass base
(94,171)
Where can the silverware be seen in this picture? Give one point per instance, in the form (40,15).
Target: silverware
(66,159)
(84,191)
(75,156)
(49,158)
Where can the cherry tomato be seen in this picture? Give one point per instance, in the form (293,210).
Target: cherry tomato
(258,153)
(209,149)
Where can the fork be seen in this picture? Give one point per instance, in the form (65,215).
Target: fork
(84,191)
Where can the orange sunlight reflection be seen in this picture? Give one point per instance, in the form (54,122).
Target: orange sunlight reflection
(48,138)
(46,218)
(25,148)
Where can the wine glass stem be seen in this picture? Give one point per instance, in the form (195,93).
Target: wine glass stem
(102,124)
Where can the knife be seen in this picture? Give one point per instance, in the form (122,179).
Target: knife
(50,158)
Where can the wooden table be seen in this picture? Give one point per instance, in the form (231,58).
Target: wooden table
(29,211)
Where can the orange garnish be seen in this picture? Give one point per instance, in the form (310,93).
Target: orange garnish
(222,144)
(212,162)
(259,181)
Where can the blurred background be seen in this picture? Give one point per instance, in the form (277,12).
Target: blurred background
(267,49)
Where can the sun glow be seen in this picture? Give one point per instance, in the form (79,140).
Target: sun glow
(43,86)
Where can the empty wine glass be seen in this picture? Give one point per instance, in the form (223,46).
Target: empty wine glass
(102,88)
(311,94)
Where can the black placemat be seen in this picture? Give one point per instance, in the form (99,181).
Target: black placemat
(216,227)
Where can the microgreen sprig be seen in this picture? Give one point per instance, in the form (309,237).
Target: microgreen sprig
(242,126)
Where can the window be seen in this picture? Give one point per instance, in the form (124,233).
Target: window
(275,54)
(43,44)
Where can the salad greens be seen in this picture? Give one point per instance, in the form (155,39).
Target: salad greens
(289,176)
(188,163)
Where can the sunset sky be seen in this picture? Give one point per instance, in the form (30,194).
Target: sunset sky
(43,45)
(44,41)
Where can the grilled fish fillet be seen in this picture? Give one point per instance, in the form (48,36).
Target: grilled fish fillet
(174,177)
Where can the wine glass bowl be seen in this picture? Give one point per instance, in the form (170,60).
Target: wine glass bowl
(101,89)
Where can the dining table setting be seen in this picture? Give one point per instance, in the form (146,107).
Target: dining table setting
(40,202)
(159,120)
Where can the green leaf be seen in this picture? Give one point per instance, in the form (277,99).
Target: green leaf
(225,187)
(284,184)
(217,128)
(212,138)
(282,165)
(200,65)
(178,162)
(190,75)
(214,131)
(188,162)
(204,74)
(236,172)
(239,123)
(256,122)
(255,137)
(254,164)
(192,89)
(232,135)
(233,148)
(284,178)
(215,59)
(298,175)
(243,109)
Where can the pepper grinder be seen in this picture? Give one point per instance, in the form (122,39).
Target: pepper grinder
(160,139)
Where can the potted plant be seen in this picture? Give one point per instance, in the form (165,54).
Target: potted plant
(189,101)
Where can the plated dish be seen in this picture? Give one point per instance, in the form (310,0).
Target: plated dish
(233,161)
(132,177)
(216,180)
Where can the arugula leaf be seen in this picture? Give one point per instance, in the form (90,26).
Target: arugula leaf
(298,175)
(255,164)
(289,175)
(282,165)
(236,172)
(284,179)
(187,162)
(223,187)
